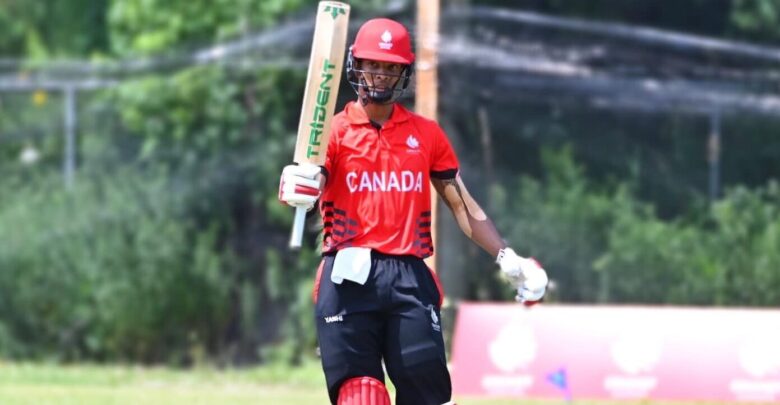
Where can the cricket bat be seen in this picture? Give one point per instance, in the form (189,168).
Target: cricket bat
(319,97)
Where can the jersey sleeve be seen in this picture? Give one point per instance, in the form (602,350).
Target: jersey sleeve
(444,162)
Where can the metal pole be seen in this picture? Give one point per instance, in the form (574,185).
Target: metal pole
(713,155)
(69,163)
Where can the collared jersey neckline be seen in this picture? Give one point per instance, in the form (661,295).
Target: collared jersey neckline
(357,115)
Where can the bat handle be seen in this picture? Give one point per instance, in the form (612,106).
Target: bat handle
(296,236)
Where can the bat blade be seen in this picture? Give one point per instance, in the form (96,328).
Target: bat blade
(320,94)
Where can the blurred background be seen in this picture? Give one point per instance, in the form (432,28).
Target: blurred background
(630,145)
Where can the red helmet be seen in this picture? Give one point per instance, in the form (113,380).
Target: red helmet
(383,40)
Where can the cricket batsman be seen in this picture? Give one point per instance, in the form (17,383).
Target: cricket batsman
(376,300)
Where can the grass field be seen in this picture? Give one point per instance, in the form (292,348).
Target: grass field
(90,384)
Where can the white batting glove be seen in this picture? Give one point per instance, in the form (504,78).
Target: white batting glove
(299,185)
(525,274)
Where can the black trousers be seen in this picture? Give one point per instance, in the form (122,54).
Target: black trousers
(394,317)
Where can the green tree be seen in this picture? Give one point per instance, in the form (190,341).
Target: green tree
(44,30)
(756,19)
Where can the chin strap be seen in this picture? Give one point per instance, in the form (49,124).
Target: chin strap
(366,90)
(363,95)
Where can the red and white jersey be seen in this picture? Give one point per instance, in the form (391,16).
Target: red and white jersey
(378,192)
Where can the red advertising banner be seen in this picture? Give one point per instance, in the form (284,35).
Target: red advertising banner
(600,352)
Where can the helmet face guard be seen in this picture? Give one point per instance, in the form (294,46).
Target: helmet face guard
(369,93)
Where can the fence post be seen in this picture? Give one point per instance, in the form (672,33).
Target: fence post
(69,162)
(713,156)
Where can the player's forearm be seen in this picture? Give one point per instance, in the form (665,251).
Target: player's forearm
(470,217)
(484,234)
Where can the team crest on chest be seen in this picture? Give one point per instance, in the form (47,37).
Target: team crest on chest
(413,144)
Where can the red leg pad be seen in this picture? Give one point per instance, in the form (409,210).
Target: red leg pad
(363,391)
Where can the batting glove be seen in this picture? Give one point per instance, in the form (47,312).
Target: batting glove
(525,274)
(299,185)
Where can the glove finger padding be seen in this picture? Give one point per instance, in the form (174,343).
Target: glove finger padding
(525,274)
(533,288)
(299,185)
(513,266)
(306,170)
